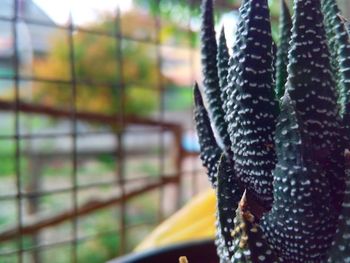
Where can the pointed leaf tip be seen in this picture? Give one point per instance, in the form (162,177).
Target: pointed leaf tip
(197,95)
(222,31)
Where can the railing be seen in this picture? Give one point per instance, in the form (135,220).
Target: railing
(31,231)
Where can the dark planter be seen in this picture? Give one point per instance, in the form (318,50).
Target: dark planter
(196,252)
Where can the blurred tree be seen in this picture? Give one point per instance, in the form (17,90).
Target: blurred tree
(182,12)
(97,72)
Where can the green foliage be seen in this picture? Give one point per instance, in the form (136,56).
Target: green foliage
(108,160)
(9,162)
(97,71)
(100,250)
(292,203)
(178,98)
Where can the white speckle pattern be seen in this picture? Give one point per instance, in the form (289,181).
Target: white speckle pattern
(228,195)
(210,72)
(312,86)
(341,246)
(249,243)
(210,151)
(253,109)
(302,228)
(302,189)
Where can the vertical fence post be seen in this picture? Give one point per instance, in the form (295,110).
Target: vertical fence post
(160,89)
(120,131)
(74,179)
(15,44)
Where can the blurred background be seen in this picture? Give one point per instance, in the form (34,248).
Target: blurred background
(97,144)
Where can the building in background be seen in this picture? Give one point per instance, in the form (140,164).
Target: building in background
(33,40)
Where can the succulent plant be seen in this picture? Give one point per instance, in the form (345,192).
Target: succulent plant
(274,135)
(282,53)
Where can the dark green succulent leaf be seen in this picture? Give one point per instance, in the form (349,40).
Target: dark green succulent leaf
(223,59)
(210,152)
(230,104)
(340,251)
(329,12)
(210,72)
(261,251)
(285,29)
(339,42)
(229,192)
(302,222)
(311,85)
(304,194)
(274,58)
(253,108)
(346,23)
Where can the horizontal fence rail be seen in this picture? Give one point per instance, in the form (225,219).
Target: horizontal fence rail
(60,195)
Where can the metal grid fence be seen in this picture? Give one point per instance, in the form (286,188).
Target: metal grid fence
(31,235)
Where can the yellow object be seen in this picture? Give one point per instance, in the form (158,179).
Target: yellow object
(183,260)
(195,221)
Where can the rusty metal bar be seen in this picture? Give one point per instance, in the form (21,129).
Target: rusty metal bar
(83,116)
(80,239)
(85,186)
(117,124)
(36,225)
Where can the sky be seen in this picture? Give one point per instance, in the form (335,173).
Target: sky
(83,11)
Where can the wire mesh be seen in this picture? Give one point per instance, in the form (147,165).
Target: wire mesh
(57,200)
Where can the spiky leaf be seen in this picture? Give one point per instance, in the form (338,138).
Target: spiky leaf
(230,104)
(285,31)
(311,85)
(329,22)
(339,42)
(302,223)
(223,59)
(253,111)
(210,72)
(210,152)
(229,193)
